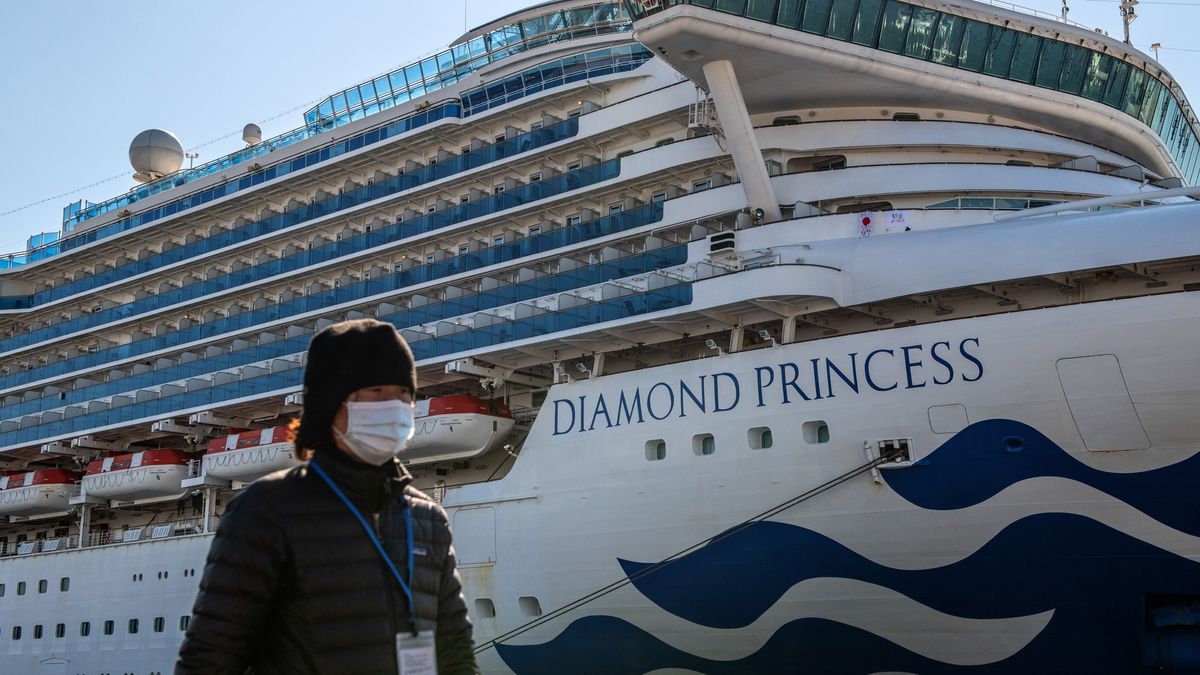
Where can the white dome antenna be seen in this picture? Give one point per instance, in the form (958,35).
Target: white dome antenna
(154,153)
(252,134)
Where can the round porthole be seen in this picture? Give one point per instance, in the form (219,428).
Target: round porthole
(1014,444)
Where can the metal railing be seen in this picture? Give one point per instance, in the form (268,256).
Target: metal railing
(99,538)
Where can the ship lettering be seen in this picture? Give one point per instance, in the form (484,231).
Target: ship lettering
(906,367)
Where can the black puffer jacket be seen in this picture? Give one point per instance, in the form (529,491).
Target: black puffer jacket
(294,585)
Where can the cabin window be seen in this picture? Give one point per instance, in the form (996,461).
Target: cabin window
(85,628)
(529,605)
(16,633)
(535,230)
(64,584)
(110,627)
(184,621)
(37,632)
(816,432)
(573,166)
(616,208)
(133,626)
(497,240)
(1,590)
(760,438)
(704,444)
(574,220)
(20,588)
(701,185)
(535,177)
(485,608)
(463,249)
(60,630)
(43,586)
(160,624)
(656,450)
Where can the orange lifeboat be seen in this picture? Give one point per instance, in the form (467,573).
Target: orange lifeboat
(35,493)
(250,455)
(457,427)
(150,474)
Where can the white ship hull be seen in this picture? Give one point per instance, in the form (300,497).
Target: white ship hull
(968,557)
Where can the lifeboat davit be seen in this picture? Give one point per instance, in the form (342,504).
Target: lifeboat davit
(35,493)
(250,455)
(457,427)
(149,474)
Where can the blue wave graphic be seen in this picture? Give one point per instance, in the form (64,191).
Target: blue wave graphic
(1094,577)
(989,456)
(615,647)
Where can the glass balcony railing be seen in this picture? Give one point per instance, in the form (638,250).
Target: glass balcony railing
(427,174)
(948,39)
(556,73)
(532,192)
(422,77)
(398,281)
(432,347)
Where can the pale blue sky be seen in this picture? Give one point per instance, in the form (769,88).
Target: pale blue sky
(81,79)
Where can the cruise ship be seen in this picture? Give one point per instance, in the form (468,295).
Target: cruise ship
(753,336)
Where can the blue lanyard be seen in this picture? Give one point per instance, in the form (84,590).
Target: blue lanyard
(408,530)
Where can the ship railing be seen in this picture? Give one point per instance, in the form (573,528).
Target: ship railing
(193,468)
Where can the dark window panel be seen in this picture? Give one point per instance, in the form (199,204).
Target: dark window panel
(1024,57)
(1096,80)
(841,19)
(816,16)
(999,52)
(1050,63)
(974,46)
(948,39)
(894,29)
(1114,93)
(921,30)
(1075,66)
(761,10)
(866,24)
(789,13)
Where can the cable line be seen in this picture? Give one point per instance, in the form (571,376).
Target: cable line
(621,583)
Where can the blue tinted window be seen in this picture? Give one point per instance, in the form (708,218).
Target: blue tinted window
(1050,63)
(999,51)
(974,45)
(866,24)
(1024,57)
(921,33)
(948,38)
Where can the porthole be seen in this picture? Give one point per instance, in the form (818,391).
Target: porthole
(485,608)
(64,584)
(815,432)
(760,438)
(110,627)
(184,621)
(16,633)
(37,632)
(704,444)
(43,585)
(133,626)
(656,450)
(20,588)
(160,624)
(529,605)
(60,630)
(85,628)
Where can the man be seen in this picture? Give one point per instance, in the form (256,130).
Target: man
(338,566)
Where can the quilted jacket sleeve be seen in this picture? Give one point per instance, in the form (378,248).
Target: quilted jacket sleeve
(455,648)
(236,592)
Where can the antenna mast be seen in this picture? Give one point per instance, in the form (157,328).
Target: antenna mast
(1127,16)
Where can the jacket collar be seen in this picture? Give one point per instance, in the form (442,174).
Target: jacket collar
(370,487)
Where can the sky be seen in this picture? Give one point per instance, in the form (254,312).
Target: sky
(82,78)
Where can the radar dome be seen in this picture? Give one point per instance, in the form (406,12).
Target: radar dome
(252,134)
(155,153)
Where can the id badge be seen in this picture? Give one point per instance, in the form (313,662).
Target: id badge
(416,655)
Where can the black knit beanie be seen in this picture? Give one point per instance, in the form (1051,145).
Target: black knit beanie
(342,359)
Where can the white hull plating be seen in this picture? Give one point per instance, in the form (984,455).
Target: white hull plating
(248,464)
(36,500)
(146,482)
(640,510)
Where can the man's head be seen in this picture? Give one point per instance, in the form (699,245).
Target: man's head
(363,360)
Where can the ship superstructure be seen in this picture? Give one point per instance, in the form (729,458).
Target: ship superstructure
(924,272)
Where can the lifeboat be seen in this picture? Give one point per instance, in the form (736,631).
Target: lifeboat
(250,455)
(457,427)
(150,474)
(36,493)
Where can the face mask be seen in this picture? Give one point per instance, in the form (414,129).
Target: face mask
(377,431)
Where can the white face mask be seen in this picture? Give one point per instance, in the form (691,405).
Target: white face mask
(377,431)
